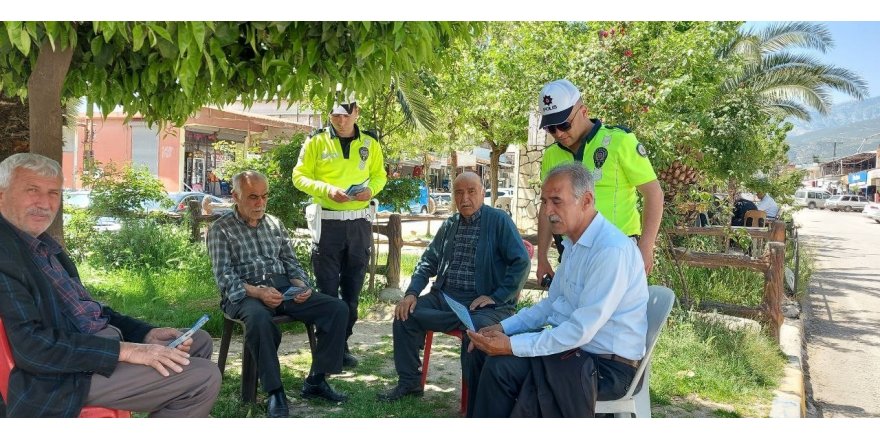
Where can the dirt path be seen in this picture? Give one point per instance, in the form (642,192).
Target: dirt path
(444,374)
(842,314)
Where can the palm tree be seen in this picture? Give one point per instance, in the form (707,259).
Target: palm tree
(789,83)
(402,105)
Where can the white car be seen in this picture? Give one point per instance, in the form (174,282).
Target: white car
(872,210)
(442,200)
(812,198)
(502,192)
(82,199)
(846,202)
(875,215)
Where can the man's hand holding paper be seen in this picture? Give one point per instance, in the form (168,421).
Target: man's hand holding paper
(492,342)
(461,311)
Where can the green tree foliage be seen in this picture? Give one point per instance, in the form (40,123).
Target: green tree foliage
(285,201)
(146,244)
(398,192)
(666,82)
(167,70)
(486,92)
(782,81)
(402,108)
(656,78)
(123,192)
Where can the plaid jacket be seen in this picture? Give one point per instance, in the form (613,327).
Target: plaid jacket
(54,362)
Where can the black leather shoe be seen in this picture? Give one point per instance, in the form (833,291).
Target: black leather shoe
(278,405)
(399,392)
(348,359)
(322,390)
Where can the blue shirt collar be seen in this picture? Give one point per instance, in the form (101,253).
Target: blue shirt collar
(588,238)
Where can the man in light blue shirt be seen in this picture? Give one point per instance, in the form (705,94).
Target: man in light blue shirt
(768,205)
(595,318)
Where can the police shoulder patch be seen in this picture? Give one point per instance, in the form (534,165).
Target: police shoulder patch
(641,150)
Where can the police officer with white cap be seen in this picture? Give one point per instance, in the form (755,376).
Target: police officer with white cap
(617,160)
(342,168)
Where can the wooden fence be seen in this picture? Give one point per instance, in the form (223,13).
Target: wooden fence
(392,229)
(770,262)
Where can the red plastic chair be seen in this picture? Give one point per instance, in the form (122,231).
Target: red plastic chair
(7,363)
(429,339)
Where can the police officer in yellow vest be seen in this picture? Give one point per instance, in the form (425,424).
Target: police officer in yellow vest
(342,168)
(619,164)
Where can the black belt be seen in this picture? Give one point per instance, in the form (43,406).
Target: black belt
(621,359)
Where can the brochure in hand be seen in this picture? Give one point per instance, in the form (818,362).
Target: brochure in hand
(355,189)
(187,334)
(461,311)
(293,291)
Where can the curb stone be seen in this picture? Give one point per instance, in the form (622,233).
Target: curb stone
(789,399)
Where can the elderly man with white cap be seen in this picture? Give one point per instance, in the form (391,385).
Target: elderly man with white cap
(342,168)
(619,164)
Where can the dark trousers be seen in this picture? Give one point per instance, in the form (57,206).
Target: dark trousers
(263,337)
(340,262)
(432,313)
(503,383)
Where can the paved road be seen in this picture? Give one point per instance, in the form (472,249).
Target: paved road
(842,314)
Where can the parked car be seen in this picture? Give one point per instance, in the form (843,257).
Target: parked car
(846,202)
(875,214)
(443,201)
(871,209)
(82,199)
(811,198)
(180,202)
(502,192)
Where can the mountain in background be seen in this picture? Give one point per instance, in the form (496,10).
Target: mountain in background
(854,126)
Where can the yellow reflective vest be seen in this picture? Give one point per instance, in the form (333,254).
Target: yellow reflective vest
(323,166)
(619,163)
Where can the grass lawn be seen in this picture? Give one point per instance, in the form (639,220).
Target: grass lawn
(700,368)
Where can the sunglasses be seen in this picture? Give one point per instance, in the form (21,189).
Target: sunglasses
(565,126)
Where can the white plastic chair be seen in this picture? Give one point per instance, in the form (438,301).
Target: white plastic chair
(638,402)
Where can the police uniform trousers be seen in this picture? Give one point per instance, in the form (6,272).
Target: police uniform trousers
(558,385)
(340,262)
(433,313)
(263,337)
(140,388)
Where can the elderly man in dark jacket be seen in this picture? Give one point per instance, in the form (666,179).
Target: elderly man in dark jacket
(480,261)
(69,350)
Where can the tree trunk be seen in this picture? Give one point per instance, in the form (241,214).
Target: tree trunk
(453,173)
(494,159)
(44,100)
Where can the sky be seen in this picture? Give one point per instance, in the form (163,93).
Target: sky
(855,45)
